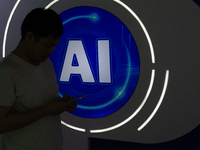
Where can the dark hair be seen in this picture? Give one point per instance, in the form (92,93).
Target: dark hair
(42,23)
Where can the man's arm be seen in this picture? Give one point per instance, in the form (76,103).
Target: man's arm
(12,120)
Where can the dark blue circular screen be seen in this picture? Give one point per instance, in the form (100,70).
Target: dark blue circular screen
(98,57)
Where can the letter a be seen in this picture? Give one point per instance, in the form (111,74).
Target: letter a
(83,68)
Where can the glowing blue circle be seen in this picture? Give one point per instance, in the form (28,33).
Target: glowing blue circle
(90,25)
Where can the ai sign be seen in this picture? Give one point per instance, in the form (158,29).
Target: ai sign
(98,57)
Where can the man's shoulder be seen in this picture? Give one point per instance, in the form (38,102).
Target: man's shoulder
(9,65)
(5,62)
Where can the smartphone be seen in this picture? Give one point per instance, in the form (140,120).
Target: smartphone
(76,99)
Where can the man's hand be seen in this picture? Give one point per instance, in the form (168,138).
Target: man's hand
(71,106)
(59,105)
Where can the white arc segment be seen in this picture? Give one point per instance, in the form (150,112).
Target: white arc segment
(135,113)
(159,102)
(7,27)
(143,28)
(51,4)
(73,127)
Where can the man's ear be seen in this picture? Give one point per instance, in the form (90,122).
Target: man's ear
(29,37)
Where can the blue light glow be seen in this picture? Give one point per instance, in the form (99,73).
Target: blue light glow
(93,17)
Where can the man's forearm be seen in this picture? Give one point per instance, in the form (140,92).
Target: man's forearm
(12,120)
(16,120)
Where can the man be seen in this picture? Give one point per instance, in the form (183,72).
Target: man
(29,104)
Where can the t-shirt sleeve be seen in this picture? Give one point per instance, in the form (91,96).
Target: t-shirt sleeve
(7,89)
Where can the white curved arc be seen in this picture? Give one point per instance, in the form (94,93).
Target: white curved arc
(51,4)
(73,127)
(135,113)
(143,28)
(159,102)
(7,27)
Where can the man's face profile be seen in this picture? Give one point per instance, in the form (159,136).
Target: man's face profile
(40,49)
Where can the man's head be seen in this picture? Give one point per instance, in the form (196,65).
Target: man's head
(41,31)
(42,23)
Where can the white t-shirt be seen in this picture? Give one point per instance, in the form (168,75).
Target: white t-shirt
(26,87)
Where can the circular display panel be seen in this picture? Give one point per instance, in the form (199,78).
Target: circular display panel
(98,57)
